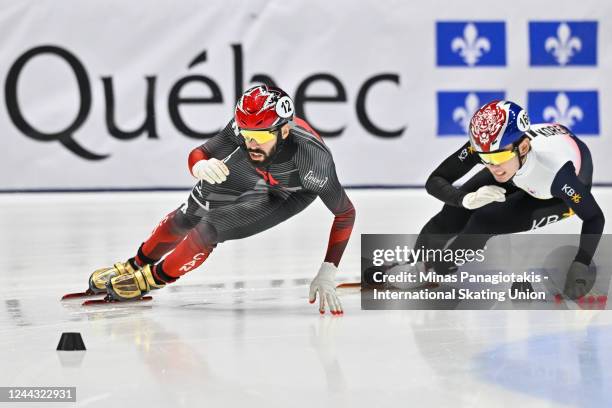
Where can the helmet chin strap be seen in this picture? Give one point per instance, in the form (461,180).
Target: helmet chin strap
(520,158)
(280,142)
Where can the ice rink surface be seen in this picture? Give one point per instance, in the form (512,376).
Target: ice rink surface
(239,331)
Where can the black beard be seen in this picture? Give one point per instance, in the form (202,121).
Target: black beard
(267,158)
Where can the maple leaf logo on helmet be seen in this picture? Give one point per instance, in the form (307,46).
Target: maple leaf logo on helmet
(486,125)
(263,107)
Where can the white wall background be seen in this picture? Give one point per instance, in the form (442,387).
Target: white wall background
(288,41)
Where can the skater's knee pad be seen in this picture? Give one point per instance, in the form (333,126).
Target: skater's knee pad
(205,235)
(182,222)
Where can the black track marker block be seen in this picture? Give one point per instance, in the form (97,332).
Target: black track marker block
(71,342)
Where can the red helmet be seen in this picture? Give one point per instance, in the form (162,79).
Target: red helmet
(263,107)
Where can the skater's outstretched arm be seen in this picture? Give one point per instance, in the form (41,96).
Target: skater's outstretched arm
(578,197)
(334,197)
(318,175)
(341,229)
(440,182)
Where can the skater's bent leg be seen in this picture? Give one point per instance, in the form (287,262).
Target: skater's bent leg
(248,216)
(451,220)
(167,234)
(443,226)
(171,230)
(520,212)
(189,254)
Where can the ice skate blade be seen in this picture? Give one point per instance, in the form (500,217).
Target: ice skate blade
(350,287)
(107,299)
(77,295)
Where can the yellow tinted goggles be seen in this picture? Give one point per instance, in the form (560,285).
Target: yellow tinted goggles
(259,136)
(497,158)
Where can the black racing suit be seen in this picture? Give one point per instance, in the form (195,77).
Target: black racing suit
(254,199)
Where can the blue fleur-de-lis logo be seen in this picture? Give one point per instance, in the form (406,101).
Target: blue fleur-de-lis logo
(563,46)
(563,113)
(463,114)
(575,109)
(471,47)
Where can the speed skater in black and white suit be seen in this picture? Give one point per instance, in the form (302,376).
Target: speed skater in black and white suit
(534,175)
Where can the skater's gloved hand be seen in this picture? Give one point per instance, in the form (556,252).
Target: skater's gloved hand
(325,285)
(212,171)
(483,196)
(580,280)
